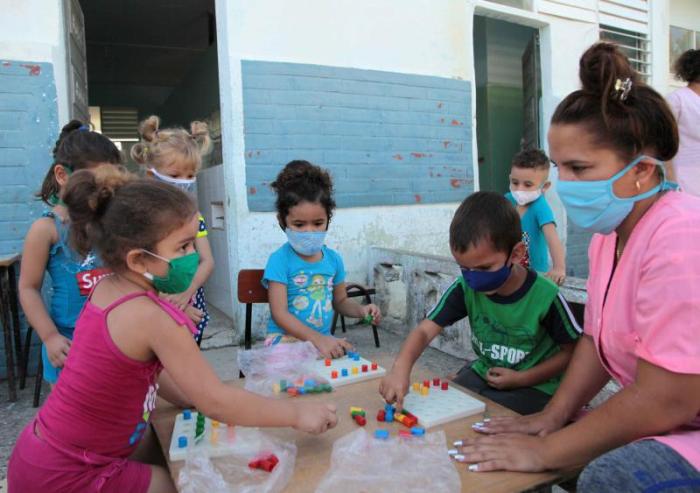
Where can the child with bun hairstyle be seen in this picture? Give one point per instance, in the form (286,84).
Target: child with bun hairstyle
(305,279)
(47,248)
(131,346)
(174,156)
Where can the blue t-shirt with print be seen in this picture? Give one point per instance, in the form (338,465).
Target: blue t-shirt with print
(309,286)
(537,215)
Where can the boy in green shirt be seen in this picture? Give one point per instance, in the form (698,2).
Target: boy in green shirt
(523,331)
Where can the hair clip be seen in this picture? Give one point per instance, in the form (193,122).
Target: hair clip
(623,88)
(83,128)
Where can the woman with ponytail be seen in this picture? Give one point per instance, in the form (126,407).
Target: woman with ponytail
(610,140)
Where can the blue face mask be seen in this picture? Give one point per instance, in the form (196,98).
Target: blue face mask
(484,281)
(593,206)
(306,243)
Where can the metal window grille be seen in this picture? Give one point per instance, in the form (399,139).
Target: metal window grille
(636,46)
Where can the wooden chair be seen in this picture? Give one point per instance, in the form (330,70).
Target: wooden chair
(250,291)
(354,291)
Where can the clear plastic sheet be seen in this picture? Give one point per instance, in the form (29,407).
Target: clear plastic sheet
(266,367)
(360,462)
(231,474)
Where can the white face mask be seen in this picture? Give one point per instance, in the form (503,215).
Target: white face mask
(523,197)
(184,184)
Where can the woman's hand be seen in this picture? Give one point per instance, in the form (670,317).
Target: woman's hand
(540,424)
(511,452)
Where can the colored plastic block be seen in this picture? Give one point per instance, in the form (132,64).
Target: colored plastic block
(182,442)
(187,414)
(266,463)
(355,408)
(358,413)
(381,415)
(417,431)
(360,420)
(276,388)
(328,362)
(416,386)
(283,385)
(436,382)
(374,365)
(214,423)
(310,383)
(424,391)
(426,383)
(389,407)
(356,357)
(444,386)
(405,434)
(355,370)
(365,368)
(344,372)
(410,421)
(389,417)
(381,434)
(214,437)
(334,374)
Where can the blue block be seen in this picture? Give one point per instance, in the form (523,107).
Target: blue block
(182,442)
(344,372)
(389,408)
(356,357)
(381,434)
(389,417)
(187,414)
(310,383)
(301,390)
(417,431)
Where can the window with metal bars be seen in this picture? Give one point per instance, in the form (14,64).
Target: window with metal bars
(635,45)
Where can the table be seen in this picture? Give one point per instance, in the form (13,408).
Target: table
(9,311)
(314,452)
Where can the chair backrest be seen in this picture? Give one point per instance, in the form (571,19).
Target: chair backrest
(250,288)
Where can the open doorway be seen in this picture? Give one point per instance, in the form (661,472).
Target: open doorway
(507,76)
(146,58)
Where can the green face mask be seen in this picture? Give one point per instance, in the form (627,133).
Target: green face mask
(181,271)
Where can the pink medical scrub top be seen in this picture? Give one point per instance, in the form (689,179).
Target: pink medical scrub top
(652,310)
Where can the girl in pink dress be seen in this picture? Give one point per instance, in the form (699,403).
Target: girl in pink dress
(642,326)
(130,346)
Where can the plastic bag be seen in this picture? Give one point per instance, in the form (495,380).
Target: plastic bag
(360,462)
(273,369)
(231,474)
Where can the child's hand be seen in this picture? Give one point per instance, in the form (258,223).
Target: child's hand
(374,311)
(393,387)
(195,314)
(503,378)
(315,418)
(57,347)
(180,300)
(331,347)
(557,275)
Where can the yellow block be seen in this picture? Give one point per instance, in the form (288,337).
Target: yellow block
(425,390)
(355,370)
(214,423)
(416,386)
(276,388)
(214,437)
(355,408)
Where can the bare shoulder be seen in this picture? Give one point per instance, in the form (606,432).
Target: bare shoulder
(141,313)
(43,230)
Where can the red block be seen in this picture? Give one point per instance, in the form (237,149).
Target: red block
(374,366)
(410,421)
(328,362)
(406,413)
(381,415)
(334,374)
(364,368)
(360,420)
(405,434)
(426,383)
(266,462)
(445,386)
(436,382)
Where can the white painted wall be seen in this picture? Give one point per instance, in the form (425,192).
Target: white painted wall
(33,30)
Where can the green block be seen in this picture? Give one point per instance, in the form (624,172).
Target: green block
(356,413)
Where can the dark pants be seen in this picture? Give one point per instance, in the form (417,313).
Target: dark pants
(644,466)
(525,400)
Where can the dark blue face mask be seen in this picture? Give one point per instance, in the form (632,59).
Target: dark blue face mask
(484,281)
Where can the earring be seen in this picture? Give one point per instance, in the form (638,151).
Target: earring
(639,187)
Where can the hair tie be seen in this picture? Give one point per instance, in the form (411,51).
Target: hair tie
(83,128)
(622,88)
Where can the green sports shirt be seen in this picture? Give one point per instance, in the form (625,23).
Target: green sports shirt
(518,331)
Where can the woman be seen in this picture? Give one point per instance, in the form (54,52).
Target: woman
(685,104)
(641,323)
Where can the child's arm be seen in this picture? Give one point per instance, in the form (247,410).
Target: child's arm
(328,346)
(394,386)
(204,270)
(168,390)
(350,308)
(177,351)
(505,378)
(556,249)
(35,256)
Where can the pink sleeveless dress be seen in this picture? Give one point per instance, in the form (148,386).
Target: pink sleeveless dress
(93,420)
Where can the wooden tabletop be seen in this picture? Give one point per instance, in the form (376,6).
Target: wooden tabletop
(314,452)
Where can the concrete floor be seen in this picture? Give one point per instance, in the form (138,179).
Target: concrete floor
(14,416)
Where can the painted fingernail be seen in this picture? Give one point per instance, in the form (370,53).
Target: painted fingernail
(458,443)
(478,425)
(486,420)
(459,457)
(453,451)
(473,467)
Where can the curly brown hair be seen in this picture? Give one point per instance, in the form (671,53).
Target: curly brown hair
(300,181)
(687,67)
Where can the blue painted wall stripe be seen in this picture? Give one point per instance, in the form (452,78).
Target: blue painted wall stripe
(387,138)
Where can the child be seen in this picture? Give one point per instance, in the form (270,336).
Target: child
(523,332)
(47,249)
(82,438)
(528,181)
(304,278)
(174,156)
